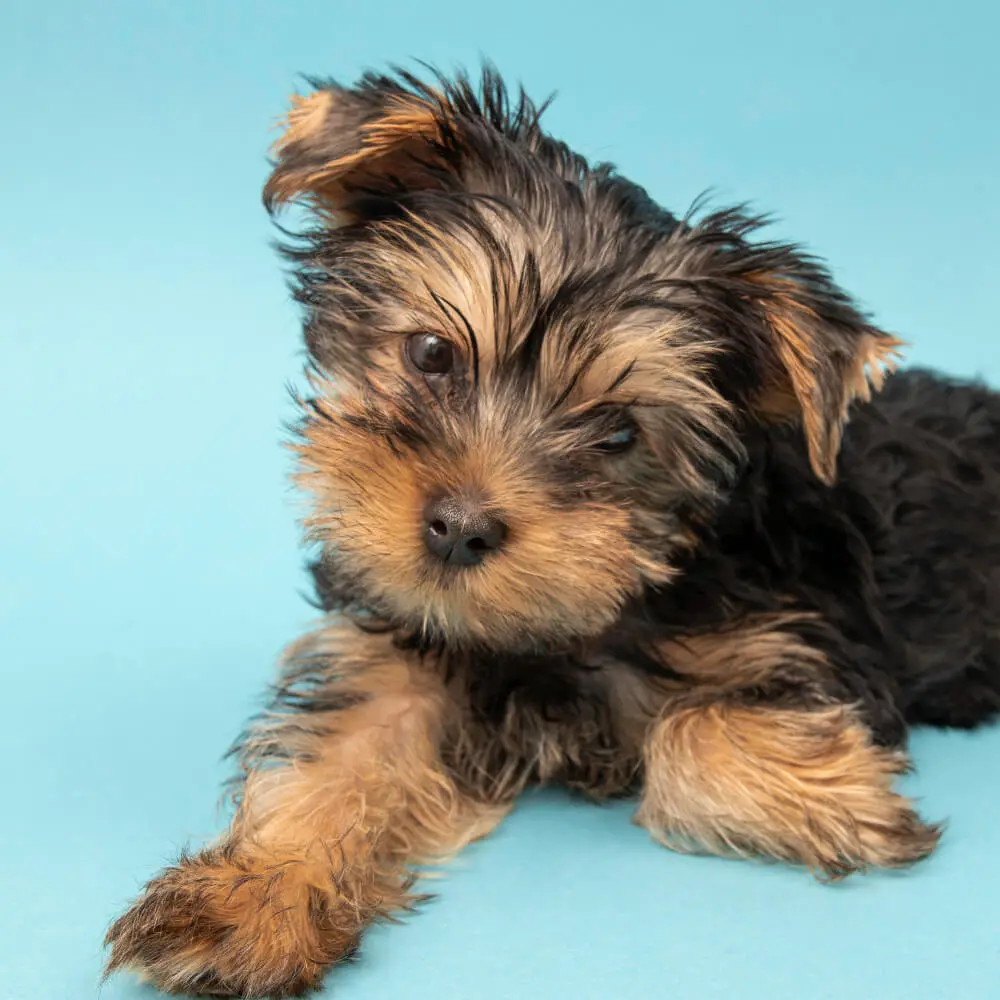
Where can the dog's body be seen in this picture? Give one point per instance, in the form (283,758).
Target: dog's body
(586,519)
(924,455)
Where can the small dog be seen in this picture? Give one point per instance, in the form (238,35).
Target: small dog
(587,518)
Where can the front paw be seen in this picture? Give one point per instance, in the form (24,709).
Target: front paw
(884,833)
(850,819)
(809,787)
(231,924)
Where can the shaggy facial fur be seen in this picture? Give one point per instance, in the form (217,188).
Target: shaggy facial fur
(589,514)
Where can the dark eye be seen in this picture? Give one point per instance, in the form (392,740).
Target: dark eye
(430,354)
(620,438)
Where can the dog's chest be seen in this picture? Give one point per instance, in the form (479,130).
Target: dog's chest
(539,720)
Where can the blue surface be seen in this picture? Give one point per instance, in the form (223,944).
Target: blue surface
(149,572)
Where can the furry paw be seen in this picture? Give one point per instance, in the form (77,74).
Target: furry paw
(806,787)
(223,924)
(891,836)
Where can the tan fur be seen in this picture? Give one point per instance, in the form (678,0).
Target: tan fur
(540,587)
(822,406)
(306,117)
(714,666)
(384,147)
(321,845)
(803,785)
(747,655)
(799,785)
(876,358)
(799,360)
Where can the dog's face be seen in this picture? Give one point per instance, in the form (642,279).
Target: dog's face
(529,381)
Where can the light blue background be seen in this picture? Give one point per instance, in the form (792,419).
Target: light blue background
(149,573)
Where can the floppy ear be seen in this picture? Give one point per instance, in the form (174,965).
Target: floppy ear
(340,145)
(802,350)
(820,354)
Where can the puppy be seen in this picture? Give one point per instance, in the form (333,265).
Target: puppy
(589,516)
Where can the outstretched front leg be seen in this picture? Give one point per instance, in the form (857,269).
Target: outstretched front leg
(343,792)
(760,760)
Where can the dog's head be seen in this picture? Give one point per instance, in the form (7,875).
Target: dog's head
(529,381)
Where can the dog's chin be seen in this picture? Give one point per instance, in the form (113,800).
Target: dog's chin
(459,623)
(460,611)
(499,638)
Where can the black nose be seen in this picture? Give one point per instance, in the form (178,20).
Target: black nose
(459,532)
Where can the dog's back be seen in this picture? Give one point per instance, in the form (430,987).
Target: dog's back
(926,453)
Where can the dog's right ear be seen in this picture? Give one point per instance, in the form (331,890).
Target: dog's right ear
(340,146)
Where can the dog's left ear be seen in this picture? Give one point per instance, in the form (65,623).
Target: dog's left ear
(804,350)
(342,147)
(823,354)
